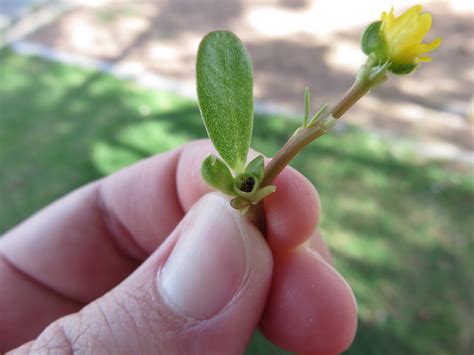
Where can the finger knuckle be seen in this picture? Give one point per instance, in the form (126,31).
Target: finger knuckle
(54,340)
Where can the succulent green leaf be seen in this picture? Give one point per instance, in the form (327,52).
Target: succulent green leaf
(216,173)
(256,167)
(225,91)
(372,42)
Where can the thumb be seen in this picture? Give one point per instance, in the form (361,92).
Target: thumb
(201,292)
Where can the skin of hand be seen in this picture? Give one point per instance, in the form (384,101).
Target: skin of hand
(147,261)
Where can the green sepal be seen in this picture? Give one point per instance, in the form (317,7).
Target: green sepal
(216,174)
(245,185)
(256,167)
(224,76)
(401,69)
(372,42)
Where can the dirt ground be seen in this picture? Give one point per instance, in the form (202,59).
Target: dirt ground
(293,44)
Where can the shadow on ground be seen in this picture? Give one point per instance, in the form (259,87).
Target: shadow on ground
(400,230)
(132,32)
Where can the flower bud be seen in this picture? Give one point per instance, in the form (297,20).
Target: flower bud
(398,40)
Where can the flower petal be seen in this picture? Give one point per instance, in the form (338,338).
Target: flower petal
(424,59)
(424,22)
(409,16)
(403,35)
(428,47)
(387,16)
(402,28)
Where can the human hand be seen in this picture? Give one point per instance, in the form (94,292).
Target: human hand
(141,266)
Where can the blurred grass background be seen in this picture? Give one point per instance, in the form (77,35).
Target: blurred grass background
(400,229)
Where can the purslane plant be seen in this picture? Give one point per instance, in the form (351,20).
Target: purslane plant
(224,76)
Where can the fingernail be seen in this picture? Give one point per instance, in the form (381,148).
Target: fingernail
(209,261)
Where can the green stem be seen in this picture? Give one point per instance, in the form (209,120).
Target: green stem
(306,135)
(369,76)
(300,140)
(354,94)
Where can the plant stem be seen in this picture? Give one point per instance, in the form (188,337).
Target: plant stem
(306,135)
(256,215)
(358,89)
(300,140)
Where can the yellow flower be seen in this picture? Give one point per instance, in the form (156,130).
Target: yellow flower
(403,35)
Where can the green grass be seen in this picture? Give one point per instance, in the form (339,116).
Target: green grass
(400,229)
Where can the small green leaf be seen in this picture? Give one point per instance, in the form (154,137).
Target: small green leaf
(256,167)
(240,203)
(317,115)
(262,193)
(225,91)
(217,175)
(307,106)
